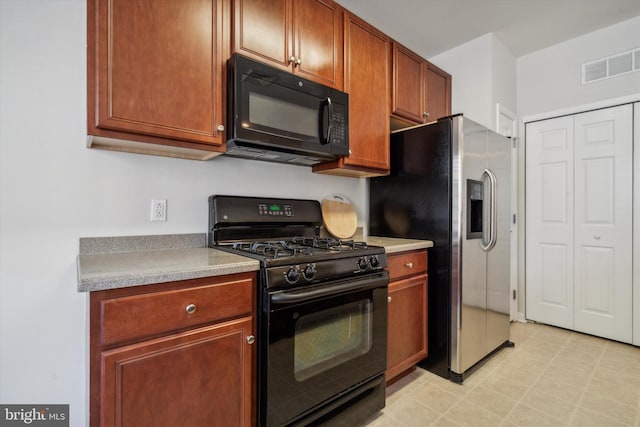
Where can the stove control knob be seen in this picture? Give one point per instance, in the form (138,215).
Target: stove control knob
(292,275)
(374,261)
(363,263)
(309,272)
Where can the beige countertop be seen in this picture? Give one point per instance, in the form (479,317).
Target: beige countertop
(117,262)
(394,245)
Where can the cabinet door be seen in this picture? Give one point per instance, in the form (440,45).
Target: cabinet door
(408,85)
(318,41)
(303,37)
(367,79)
(262,31)
(367,71)
(407,328)
(603,241)
(549,224)
(636,227)
(437,93)
(196,378)
(156,68)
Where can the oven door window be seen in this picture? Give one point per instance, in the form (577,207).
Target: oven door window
(328,338)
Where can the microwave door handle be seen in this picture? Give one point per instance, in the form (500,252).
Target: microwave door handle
(326,103)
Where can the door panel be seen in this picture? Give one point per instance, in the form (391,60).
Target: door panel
(549,221)
(603,221)
(636,229)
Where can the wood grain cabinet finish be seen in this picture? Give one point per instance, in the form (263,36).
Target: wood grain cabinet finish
(421,91)
(178,353)
(300,36)
(407,312)
(367,79)
(156,75)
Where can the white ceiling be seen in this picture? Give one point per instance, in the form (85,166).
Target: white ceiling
(430,27)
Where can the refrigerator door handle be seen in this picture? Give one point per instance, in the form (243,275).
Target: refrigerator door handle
(493,212)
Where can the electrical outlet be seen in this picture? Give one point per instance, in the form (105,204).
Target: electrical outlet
(158,210)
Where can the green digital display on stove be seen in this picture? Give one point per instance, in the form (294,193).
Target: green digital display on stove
(274,208)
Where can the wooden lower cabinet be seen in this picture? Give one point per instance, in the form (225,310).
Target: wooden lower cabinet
(407,312)
(174,374)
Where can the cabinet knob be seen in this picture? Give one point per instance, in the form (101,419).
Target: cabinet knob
(425,114)
(409,265)
(596,237)
(220,128)
(298,61)
(292,59)
(190,309)
(388,299)
(251,339)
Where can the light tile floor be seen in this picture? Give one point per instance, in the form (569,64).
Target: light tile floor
(553,377)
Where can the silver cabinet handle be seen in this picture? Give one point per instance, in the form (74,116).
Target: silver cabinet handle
(190,309)
(596,237)
(409,265)
(251,339)
(389,299)
(220,128)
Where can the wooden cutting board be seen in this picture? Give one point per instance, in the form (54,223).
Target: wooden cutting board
(339,216)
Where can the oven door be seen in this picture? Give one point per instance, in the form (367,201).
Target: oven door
(322,342)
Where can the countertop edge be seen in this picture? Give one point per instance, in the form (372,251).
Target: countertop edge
(395,245)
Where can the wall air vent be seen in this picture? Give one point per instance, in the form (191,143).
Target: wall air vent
(612,66)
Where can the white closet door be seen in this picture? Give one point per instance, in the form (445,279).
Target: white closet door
(636,228)
(603,240)
(549,221)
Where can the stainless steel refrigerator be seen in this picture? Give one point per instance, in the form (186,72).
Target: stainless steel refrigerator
(450,183)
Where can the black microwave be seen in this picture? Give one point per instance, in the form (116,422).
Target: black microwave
(279,117)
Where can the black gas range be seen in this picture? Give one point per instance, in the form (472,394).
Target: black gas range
(322,311)
(284,235)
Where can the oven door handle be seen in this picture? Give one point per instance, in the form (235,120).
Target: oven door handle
(380,280)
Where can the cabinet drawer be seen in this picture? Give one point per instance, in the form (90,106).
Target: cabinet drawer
(132,317)
(407,264)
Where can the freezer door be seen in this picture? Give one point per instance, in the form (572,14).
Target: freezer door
(469,292)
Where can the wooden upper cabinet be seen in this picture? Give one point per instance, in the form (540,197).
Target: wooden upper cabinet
(300,36)
(437,92)
(367,77)
(408,84)
(156,73)
(421,91)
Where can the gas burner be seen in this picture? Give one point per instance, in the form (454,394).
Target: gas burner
(273,249)
(329,243)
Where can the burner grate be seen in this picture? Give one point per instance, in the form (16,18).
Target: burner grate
(329,243)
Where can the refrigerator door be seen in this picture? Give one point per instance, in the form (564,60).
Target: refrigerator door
(469,308)
(498,259)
